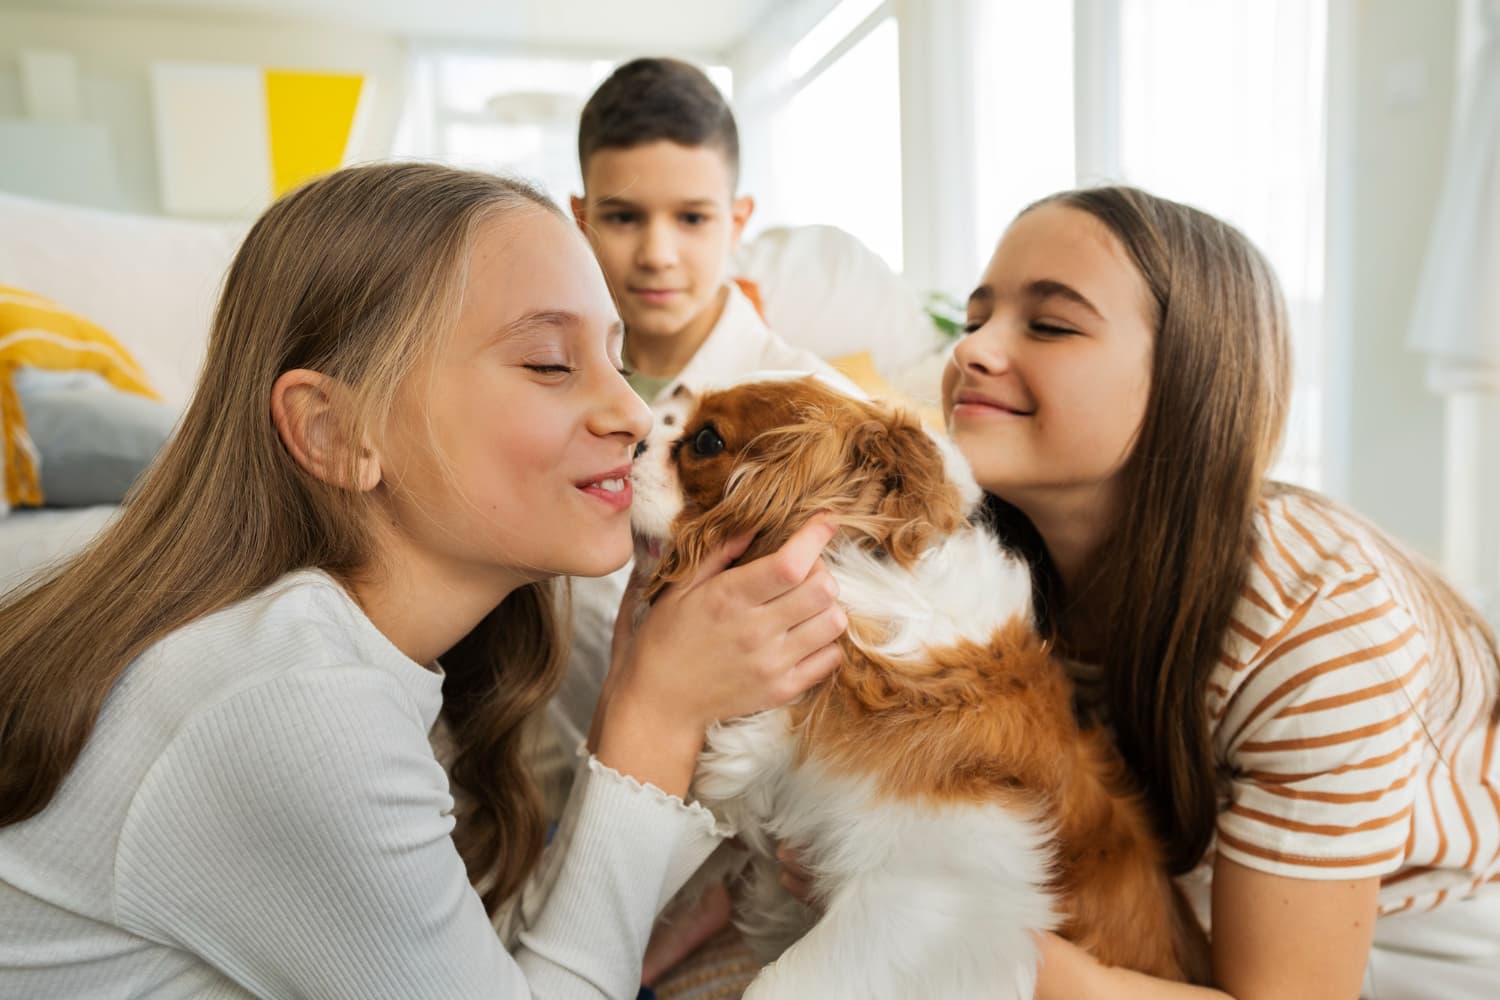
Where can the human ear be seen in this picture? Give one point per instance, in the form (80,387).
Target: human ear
(580,213)
(740,211)
(313,427)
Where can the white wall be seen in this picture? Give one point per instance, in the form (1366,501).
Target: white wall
(114,53)
(1392,80)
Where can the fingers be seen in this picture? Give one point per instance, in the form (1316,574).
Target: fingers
(768,577)
(808,599)
(813,668)
(790,861)
(793,877)
(812,644)
(721,559)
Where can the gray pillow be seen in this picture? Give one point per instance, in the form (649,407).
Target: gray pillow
(93,441)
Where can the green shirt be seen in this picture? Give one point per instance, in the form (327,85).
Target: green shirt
(648,387)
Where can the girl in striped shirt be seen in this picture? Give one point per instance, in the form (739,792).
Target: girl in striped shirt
(1310,710)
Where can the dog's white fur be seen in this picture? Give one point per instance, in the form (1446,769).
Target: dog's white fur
(918,900)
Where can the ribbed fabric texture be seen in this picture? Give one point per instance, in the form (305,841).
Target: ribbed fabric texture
(260,811)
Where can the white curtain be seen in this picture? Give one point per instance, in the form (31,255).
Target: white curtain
(1456,319)
(1220,104)
(1456,323)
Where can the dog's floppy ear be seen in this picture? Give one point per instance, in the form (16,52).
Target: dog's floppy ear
(780,480)
(905,497)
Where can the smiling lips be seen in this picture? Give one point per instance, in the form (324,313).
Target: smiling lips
(976,402)
(612,488)
(656,296)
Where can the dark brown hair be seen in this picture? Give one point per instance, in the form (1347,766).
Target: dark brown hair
(358,275)
(1159,592)
(651,99)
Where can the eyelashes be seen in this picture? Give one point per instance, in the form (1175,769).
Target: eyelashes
(1043,329)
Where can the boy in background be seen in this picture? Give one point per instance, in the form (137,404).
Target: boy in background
(660,157)
(659,152)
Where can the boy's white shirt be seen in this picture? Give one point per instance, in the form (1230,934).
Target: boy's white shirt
(739,344)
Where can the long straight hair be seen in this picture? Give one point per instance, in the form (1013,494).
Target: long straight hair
(358,275)
(1162,586)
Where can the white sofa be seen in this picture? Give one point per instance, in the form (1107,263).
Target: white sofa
(152,282)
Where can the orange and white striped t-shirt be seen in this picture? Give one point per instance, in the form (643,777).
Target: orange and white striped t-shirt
(1352,741)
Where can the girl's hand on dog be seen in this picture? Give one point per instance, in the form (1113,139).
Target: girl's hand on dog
(732,641)
(794,878)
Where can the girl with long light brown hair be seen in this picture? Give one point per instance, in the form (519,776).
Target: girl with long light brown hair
(217,774)
(1310,710)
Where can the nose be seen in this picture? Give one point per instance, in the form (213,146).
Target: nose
(983,352)
(640,448)
(658,246)
(617,411)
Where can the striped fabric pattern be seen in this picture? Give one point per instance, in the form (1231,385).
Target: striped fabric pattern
(1353,741)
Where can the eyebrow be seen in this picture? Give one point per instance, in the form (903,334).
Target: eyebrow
(542,321)
(539,321)
(617,202)
(1042,288)
(1046,288)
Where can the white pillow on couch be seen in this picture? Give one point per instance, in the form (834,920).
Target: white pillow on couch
(825,291)
(150,281)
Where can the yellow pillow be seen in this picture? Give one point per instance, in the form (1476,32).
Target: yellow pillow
(860,369)
(38,333)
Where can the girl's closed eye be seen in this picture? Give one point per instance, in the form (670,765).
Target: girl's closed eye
(1051,329)
(549,368)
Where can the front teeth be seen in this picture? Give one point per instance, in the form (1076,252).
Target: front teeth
(612,485)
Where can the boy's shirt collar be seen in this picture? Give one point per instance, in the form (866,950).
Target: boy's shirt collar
(741,343)
(735,345)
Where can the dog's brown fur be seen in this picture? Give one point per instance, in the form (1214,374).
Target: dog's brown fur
(966,723)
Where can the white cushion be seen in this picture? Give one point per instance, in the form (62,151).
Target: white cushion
(151,282)
(825,291)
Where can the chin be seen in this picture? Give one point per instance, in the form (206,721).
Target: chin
(937,786)
(605,559)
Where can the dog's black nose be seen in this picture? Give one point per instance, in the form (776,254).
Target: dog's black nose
(640,449)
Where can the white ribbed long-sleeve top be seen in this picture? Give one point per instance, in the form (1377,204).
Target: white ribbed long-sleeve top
(259,811)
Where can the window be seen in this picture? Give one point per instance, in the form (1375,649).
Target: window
(1023,113)
(835,138)
(505,113)
(1222,106)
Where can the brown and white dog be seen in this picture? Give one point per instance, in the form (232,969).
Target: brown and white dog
(937,785)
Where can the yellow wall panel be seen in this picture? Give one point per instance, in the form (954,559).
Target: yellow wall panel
(310,117)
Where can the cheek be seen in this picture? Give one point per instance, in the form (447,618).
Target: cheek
(613,251)
(950,382)
(710,253)
(1104,424)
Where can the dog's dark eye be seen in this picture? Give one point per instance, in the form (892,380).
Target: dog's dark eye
(707,443)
